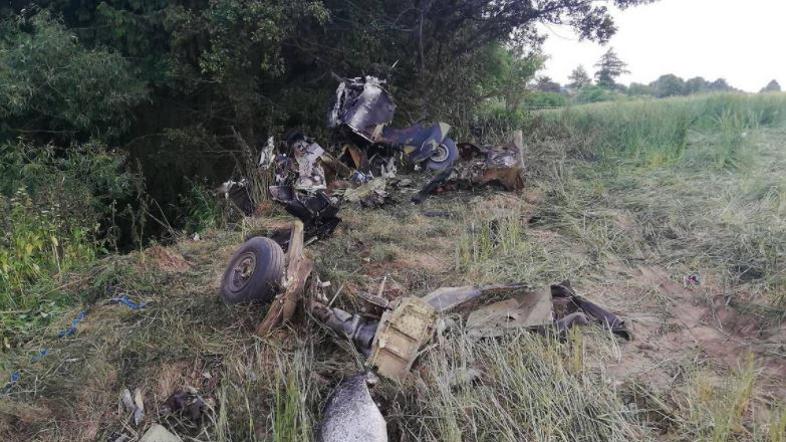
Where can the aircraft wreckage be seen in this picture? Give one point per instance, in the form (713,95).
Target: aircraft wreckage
(362,166)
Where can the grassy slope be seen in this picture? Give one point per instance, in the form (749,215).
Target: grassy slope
(624,201)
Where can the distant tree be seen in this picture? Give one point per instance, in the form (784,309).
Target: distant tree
(696,85)
(610,67)
(546,84)
(668,85)
(772,86)
(579,78)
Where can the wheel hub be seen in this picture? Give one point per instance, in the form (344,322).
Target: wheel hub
(242,271)
(441,153)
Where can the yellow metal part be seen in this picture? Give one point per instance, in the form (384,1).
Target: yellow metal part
(400,335)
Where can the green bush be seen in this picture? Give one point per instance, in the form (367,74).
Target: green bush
(539,100)
(37,244)
(60,206)
(594,94)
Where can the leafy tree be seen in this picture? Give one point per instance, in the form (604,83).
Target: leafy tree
(610,67)
(579,78)
(213,67)
(668,85)
(53,87)
(772,86)
(507,73)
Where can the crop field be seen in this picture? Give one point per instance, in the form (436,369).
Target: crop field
(670,213)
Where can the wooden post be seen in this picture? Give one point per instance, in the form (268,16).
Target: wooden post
(298,269)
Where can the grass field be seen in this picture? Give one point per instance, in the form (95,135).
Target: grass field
(623,199)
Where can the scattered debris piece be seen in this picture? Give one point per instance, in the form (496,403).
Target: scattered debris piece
(360,330)
(71,330)
(566,302)
(267,156)
(15,377)
(133,404)
(528,310)
(400,334)
(445,299)
(369,194)
(168,260)
(239,193)
(437,214)
(462,376)
(187,403)
(307,154)
(432,186)
(157,433)
(126,301)
(350,414)
(571,320)
(318,212)
(691,280)
(40,355)
(502,165)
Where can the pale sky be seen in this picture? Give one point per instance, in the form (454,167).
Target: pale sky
(743,41)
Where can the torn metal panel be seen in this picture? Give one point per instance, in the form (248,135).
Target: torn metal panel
(239,193)
(318,211)
(369,194)
(157,433)
(365,108)
(400,335)
(480,166)
(563,293)
(311,175)
(350,413)
(420,143)
(529,310)
(268,155)
(446,299)
(363,105)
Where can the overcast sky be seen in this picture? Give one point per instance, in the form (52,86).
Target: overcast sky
(741,41)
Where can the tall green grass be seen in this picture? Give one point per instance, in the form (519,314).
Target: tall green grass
(657,131)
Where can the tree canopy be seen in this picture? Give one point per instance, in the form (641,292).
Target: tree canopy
(172,82)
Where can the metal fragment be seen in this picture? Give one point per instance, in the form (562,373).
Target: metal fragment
(350,414)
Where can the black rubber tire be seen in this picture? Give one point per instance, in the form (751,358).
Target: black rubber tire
(254,273)
(450,155)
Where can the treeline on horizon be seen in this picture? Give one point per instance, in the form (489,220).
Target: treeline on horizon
(582,88)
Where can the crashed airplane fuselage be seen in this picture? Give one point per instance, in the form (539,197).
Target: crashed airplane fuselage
(365,109)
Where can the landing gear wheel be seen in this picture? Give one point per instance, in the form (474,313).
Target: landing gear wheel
(254,272)
(444,155)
